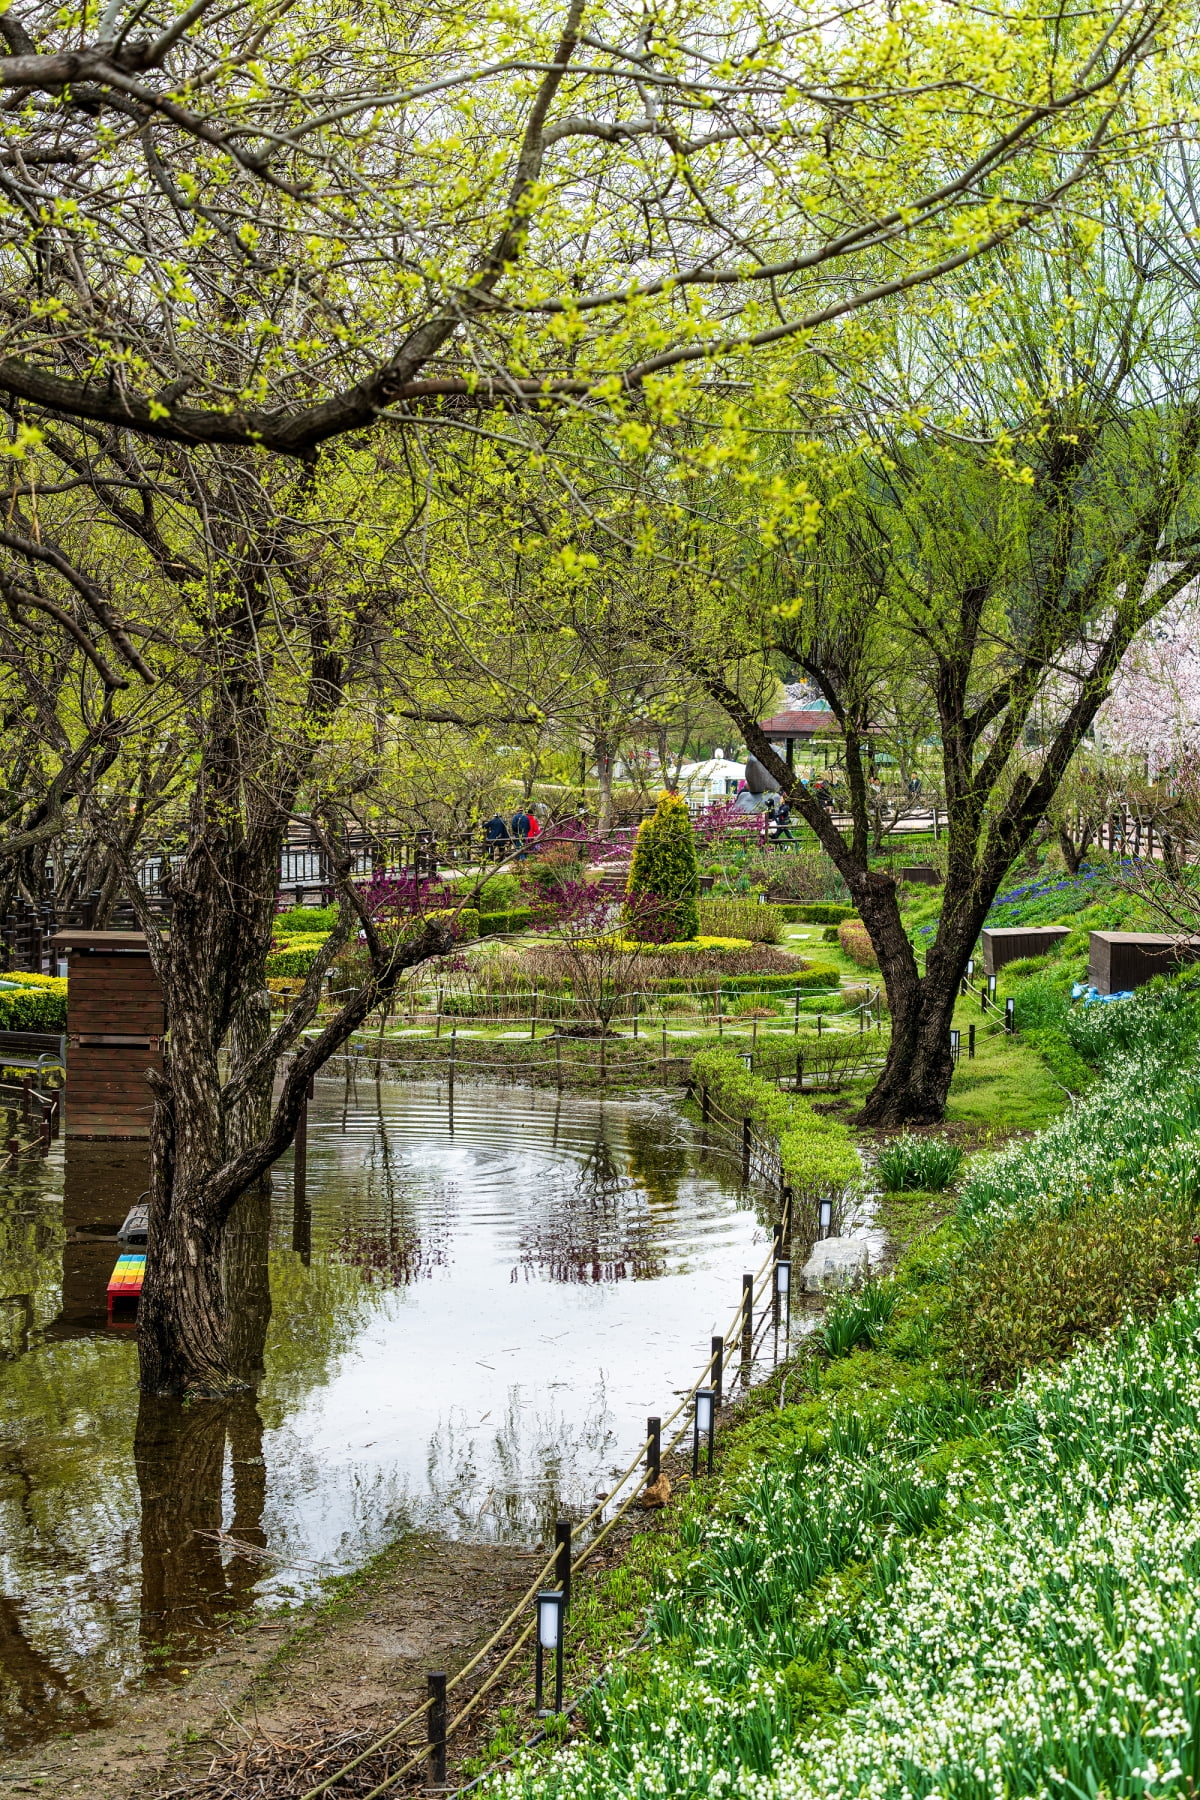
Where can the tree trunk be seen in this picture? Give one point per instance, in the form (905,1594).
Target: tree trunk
(915,1080)
(604,782)
(1070,855)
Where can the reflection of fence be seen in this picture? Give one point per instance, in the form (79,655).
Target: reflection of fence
(614,1063)
(556,1573)
(37,1109)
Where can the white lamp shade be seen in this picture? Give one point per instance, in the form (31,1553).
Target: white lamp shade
(549,1614)
(704,1410)
(783,1275)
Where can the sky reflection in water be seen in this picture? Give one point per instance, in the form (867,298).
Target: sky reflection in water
(467,1330)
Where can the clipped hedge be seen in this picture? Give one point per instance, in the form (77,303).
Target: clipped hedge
(299,920)
(40,1008)
(817,1152)
(295,958)
(517,918)
(817,975)
(819,912)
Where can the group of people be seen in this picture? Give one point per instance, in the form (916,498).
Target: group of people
(502,836)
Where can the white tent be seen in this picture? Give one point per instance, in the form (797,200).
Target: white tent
(706,783)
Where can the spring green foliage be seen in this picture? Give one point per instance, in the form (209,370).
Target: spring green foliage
(664,880)
(299,920)
(859,1318)
(820,913)
(926,1164)
(817,1152)
(295,956)
(1034,1290)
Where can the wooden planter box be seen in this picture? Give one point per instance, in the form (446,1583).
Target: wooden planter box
(923,875)
(1011,943)
(1119,960)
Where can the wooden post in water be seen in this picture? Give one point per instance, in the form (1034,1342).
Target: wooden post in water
(558,1064)
(664,1053)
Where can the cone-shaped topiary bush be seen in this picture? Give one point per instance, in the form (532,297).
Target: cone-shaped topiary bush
(664,881)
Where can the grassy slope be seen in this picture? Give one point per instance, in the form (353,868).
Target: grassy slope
(896,1466)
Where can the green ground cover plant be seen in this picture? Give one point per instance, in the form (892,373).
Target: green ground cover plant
(910,1580)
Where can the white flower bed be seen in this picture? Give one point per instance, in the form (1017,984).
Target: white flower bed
(1018,1615)
(1047,1644)
(1050,1647)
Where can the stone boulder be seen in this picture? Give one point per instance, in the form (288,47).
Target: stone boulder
(836,1262)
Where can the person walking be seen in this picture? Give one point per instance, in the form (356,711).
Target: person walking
(518,827)
(495,837)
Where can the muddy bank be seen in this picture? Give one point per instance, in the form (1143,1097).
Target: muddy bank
(336,1671)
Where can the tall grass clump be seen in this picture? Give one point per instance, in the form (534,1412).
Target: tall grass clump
(914,1163)
(859,1318)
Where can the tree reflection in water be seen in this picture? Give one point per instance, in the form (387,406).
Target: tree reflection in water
(597,1222)
(191,1581)
(408,1384)
(533,1458)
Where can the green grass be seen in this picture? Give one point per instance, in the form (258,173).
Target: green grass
(1007,1085)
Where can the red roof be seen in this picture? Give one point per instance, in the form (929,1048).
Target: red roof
(798,724)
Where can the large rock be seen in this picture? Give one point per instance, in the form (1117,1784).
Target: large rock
(836,1262)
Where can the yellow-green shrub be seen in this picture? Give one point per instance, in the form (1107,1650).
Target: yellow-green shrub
(816,1151)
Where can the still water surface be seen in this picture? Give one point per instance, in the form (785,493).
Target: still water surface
(461,1331)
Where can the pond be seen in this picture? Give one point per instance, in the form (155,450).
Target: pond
(461,1330)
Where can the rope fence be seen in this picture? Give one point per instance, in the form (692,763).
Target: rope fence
(632,1482)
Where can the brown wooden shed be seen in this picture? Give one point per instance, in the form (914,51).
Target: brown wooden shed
(1005,944)
(1118,960)
(115,1026)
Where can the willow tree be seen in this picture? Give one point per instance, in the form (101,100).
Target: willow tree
(1034,509)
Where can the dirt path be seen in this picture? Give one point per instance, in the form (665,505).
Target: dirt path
(343,1670)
